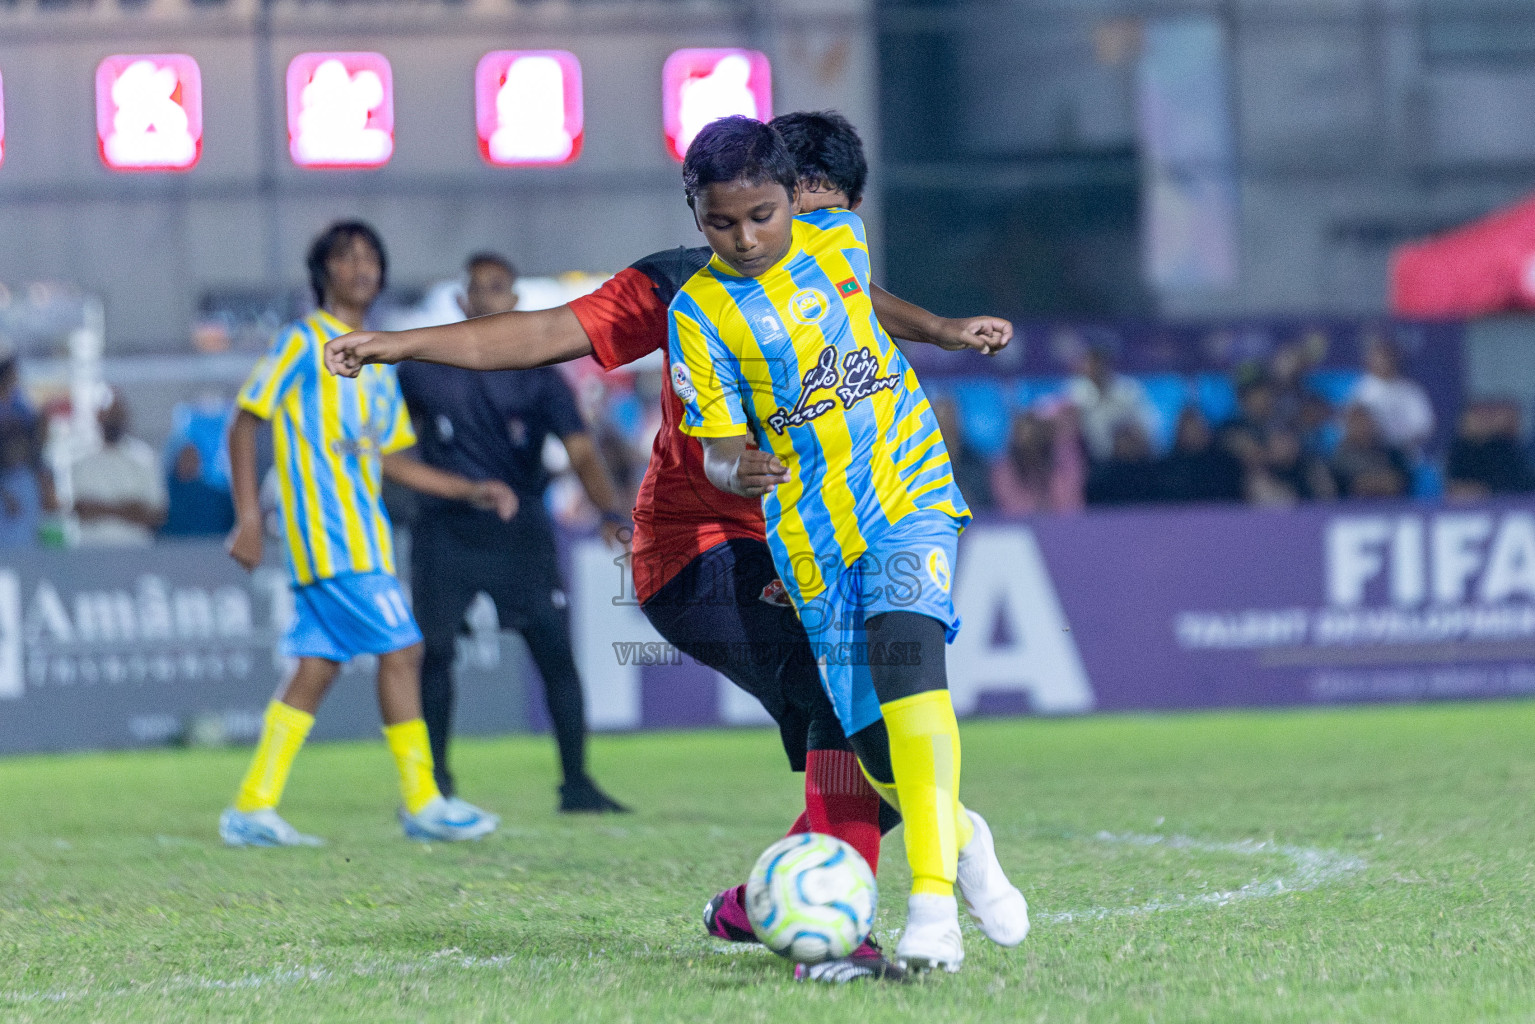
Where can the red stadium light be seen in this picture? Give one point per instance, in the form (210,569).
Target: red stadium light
(149,112)
(527,108)
(699,86)
(340,110)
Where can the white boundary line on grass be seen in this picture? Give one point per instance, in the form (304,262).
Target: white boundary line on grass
(1313,868)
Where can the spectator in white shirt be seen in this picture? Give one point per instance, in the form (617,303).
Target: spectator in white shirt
(1400,405)
(118,491)
(1106,400)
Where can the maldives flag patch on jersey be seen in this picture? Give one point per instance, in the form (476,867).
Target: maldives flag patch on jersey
(848,287)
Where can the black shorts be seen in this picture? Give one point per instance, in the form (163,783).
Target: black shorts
(727,609)
(456,555)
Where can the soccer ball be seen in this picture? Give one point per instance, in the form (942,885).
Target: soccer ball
(811,897)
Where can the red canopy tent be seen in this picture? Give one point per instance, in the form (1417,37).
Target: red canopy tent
(1487,266)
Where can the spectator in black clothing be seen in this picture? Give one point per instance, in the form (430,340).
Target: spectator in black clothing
(1129,475)
(1198,469)
(1485,457)
(1364,465)
(1289,473)
(1246,435)
(971,473)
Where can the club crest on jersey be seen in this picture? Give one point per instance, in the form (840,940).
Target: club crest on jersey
(682,383)
(807,306)
(819,377)
(938,568)
(848,287)
(776,593)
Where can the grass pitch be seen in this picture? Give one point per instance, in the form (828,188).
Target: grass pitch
(1310,866)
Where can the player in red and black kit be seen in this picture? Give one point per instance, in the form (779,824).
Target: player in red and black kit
(702,570)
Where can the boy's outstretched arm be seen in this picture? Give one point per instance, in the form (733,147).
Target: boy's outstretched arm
(501,341)
(245,540)
(733,467)
(901,319)
(491,495)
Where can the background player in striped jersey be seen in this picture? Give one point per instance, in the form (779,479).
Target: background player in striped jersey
(702,569)
(801,399)
(334,439)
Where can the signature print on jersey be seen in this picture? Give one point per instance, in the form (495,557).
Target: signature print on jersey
(819,377)
(377,424)
(859,379)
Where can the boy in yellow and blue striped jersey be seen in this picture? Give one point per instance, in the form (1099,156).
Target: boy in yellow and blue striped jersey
(335,439)
(775,341)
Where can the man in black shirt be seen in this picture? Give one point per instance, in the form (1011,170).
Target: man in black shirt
(494,425)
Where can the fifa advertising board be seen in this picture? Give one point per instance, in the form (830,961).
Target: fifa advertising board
(1160,609)
(1166,609)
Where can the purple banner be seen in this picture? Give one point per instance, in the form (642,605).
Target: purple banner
(1115,611)
(1192,609)
(1179,609)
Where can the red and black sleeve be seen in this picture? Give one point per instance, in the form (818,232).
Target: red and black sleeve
(626,318)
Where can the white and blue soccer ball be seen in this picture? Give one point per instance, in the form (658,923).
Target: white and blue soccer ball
(811,897)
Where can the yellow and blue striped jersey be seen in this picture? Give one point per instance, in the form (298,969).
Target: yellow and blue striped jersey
(797,358)
(329,433)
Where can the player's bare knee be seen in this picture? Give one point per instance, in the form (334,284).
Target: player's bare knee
(405,660)
(307,686)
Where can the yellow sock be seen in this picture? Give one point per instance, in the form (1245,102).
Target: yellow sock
(964,829)
(924,754)
(413,756)
(283,732)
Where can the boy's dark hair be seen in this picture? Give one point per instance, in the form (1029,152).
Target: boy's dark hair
(826,148)
(737,148)
(490,259)
(333,238)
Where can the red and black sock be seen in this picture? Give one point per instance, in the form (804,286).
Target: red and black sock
(840,802)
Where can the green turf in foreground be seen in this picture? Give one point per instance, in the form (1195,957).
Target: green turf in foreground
(1412,825)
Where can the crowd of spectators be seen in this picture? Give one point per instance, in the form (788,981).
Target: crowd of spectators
(1096,439)
(1093,442)
(120,492)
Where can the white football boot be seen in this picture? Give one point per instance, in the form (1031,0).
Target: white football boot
(931,940)
(994,902)
(448,821)
(261,828)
